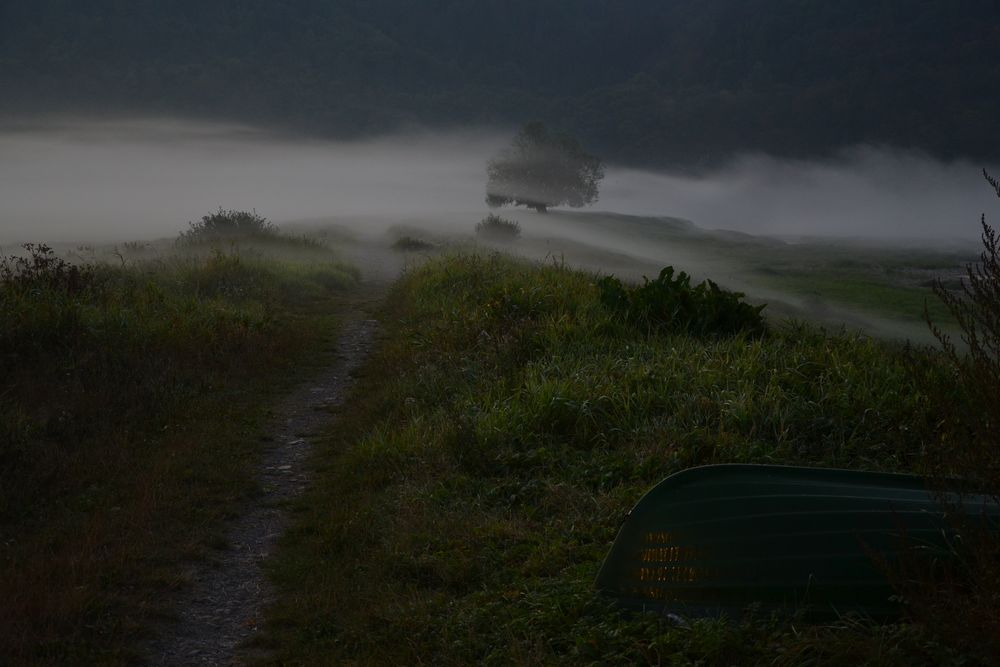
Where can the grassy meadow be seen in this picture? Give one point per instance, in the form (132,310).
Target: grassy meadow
(135,382)
(505,426)
(512,413)
(877,287)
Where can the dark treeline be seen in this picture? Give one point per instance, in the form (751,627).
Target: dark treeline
(666,82)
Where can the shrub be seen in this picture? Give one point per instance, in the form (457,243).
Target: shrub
(495,228)
(960,602)
(42,269)
(975,306)
(672,304)
(411,244)
(231,224)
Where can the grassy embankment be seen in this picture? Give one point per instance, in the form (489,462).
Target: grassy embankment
(876,286)
(877,279)
(133,396)
(508,423)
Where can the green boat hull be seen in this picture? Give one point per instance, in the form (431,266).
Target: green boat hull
(719,539)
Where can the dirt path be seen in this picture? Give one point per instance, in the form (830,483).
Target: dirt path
(227,597)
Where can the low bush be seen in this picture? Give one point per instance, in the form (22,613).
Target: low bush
(40,269)
(251,234)
(962,601)
(975,307)
(495,228)
(672,304)
(228,224)
(412,244)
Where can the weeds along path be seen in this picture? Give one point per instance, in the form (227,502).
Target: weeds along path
(218,612)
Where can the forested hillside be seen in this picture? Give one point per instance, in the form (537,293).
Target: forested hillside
(662,82)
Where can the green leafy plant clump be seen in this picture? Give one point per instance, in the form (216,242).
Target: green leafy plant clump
(495,228)
(251,232)
(229,224)
(672,304)
(40,268)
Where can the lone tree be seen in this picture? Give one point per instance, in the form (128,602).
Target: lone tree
(542,169)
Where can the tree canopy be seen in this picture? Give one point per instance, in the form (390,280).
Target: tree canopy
(542,168)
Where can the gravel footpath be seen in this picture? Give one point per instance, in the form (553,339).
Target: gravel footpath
(221,608)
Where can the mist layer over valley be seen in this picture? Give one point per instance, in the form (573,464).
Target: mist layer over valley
(92,181)
(751,225)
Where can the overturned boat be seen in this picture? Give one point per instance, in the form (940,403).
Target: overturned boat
(718,539)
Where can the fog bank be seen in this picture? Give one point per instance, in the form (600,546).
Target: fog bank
(91,182)
(865,192)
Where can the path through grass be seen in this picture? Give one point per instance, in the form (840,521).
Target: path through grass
(477,478)
(133,401)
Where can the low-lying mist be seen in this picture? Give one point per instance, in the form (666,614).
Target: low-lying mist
(142,179)
(103,181)
(865,192)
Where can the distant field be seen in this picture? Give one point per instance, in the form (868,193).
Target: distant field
(873,286)
(875,279)
(870,293)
